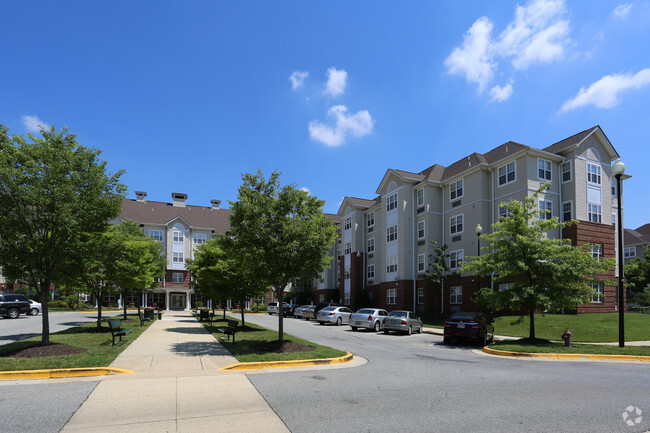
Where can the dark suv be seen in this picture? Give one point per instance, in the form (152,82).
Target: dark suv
(11,305)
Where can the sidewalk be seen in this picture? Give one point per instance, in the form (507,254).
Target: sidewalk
(176,387)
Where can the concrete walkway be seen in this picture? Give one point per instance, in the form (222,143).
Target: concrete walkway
(176,387)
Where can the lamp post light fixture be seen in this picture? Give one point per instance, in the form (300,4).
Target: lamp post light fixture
(479,230)
(617,171)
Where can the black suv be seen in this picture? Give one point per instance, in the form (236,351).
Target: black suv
(11,305)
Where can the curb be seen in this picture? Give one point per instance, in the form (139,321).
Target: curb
(567,356)
(286,364)
(59,373)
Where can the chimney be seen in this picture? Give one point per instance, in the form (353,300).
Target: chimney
(215,204)
(141,196)
(178,199)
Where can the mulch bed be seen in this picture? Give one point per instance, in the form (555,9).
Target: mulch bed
(283,347)
(49,350)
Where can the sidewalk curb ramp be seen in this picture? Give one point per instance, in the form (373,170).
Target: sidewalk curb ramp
(286,364)
(560,356)
(59,373)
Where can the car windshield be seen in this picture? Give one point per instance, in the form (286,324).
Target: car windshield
(398,313)
(329,309)
(366,311)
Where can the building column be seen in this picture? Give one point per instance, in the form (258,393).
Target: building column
(188,303)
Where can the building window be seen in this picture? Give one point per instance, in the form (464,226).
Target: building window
(348,248)
(199,238)
(543,169)
(567,211)
(456,190)
(177,277)
(566,171)
(504,286)
(371,245)
(456,224)
(420,229)
(420,197)
(321,297)
(371,272)
(456,259)
(507,173)
(598,293)
(391,202)
(346,274)
(420,295)
(597,251)
(593,173)
(177,236)
(391,265)
(156,234)
(391,296)
(614,188)
(371,219)
(629,252)
(391,233)
(348,223)
(504,212)
(346,299)
(595,213)
(545,209)
(421,263)
(177,257)
(456,295)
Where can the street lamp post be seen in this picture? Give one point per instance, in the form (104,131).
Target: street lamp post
(617,171)
(479,230)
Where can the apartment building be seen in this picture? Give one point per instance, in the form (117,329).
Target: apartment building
(635,241)
(384,243)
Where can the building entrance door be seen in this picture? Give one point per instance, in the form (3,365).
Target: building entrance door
(177,301)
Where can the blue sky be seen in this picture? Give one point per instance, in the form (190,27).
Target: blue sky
(187,96)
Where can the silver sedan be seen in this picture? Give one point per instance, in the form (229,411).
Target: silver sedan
(336,315)
(308,313)
(402,321)
(369,318)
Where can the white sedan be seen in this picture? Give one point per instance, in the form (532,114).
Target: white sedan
(336,315)
(34,307)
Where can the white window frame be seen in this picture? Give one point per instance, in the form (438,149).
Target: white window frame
(456,224)
(504,286)
(545,205)
(347,223)
(391,296)
(564,211)
(177,277)
(199,238)
(421,229)
(456,259)
(371,245)
(347,248)
(371,272)
(392,265)
(599,293)
(346,274)
(178,237)
(371,219)
(177,257)
(158,235)
(629,252)
(594,213)
(596,251)
(421,262)
(504,212)
(391,233)
(564,171)
(391,202)
(508,169)
(456,295)
(420,295)
(544,169)
(456,190)
(419,194)
(594,174)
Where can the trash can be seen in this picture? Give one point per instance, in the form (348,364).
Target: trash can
(204,315)
(148,313)
(159,315)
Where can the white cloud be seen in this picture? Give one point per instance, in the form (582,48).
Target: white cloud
(34,124)
(298,79)
(304,188)
(356,125)
(500,94)
(604,92)
(336,79)
(539,33)
(473,59)
(622,11)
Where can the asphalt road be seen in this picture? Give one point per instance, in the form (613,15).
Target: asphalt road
(416,383)
(25,327)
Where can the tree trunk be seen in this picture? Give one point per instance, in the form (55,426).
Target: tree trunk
(124,303)
(100,296)
(241,307)
(45,297)
(280,314)
(531,335)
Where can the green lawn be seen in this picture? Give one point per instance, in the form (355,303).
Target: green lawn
(100,351)
(587,328)
(253,335)
(522,347)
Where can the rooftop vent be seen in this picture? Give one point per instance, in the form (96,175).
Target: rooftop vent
(215,204)
(141,196)
(179,199)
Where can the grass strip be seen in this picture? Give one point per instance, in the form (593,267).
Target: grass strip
(587,349)
(99,349)
(252,335)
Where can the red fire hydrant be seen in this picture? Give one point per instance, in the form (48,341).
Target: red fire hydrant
(567,338)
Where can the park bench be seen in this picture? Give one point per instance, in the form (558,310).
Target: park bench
(143,318)
(229,330)
(115,326)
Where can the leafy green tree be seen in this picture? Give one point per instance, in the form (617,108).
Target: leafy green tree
(438,271)
(52,192)
(637,279)
(282,232)
(544,272)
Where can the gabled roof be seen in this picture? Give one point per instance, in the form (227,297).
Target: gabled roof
(574,140)
(645,232)
(160,213)
(640,236)
(360,203)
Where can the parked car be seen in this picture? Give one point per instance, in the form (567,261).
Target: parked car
(308,313)
(474,326)
(12,305)
(336,315)
(369,318)
(34,307)
(402,321)
(322,305)
(289,310)
(297,312)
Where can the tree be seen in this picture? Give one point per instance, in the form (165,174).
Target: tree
(53,191)
(438,271)
(637,279)
(544,272)
(282,232)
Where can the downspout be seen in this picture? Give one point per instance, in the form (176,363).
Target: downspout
(413,253)
(560,205)
(442,225)
(493,221)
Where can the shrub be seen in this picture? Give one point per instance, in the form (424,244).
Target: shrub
(58,304)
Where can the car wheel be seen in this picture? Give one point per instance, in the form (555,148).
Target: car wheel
(386,331)
(34,311)
(420,330)
(354,328)
(13,313)
(410,331)
(491,338)
(446,340)
(482,339)
(339,321)
(270,314)
(322,323)
(307,319)
(377,326)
